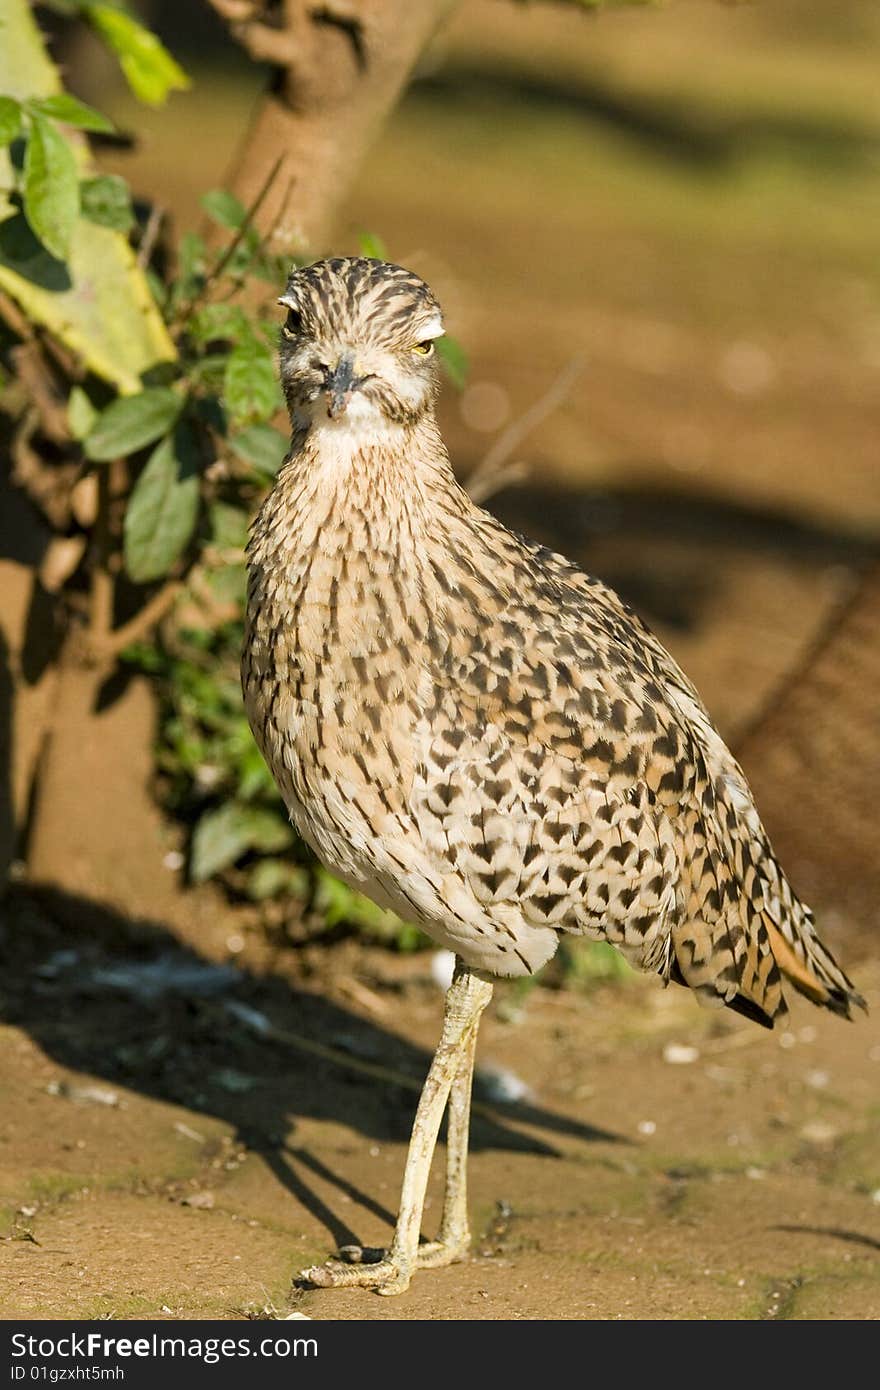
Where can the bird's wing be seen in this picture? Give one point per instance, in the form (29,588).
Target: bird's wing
(569,769)
(548,753)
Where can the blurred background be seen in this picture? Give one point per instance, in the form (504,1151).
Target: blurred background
(657,229)
(655,235)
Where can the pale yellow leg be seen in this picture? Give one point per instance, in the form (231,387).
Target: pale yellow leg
(449,1078)
(454,1236)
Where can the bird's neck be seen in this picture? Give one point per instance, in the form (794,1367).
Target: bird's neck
(376,494)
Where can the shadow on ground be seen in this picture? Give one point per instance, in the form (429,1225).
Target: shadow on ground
(654,542)
(126,1002)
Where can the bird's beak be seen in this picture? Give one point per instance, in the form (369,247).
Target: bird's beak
(339,384)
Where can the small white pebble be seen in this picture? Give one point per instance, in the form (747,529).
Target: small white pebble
(165,1309)
(817,1079)
(235,943)
(647,1127)
(297,1317)
(202,1201)
(819,1132)
(756,1173)
(374,1151)
(501,1085)
(787,1040)
(442,966)
(680,1054)
(173,860)
(251,1017)
(32,1211)
(189,1133)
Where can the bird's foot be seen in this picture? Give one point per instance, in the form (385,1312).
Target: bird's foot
(368,1267)
(363,1268)
(434,1254)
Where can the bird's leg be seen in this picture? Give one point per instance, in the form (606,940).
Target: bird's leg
(454,1236)
(451,1068)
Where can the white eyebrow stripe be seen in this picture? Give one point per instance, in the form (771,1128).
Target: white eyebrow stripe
(433,328)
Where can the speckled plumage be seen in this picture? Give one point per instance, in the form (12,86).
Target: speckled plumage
(472,731)
(464,725)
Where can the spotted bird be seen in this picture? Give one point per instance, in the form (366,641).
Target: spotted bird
(476,734)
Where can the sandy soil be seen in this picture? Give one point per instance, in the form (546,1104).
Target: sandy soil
(157,1158)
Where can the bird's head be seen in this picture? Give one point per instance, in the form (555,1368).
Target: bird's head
(357,344)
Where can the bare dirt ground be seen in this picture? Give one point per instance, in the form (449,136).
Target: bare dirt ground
(717,462)
(157,1158)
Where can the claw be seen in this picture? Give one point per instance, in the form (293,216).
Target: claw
(361,1254)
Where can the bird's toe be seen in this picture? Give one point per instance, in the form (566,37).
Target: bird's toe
(384,1276)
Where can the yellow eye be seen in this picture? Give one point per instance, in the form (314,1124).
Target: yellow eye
(424,349)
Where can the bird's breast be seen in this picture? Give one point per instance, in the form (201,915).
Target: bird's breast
(331,679)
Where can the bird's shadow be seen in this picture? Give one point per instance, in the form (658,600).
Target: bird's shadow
(127,1002)
(834,1232)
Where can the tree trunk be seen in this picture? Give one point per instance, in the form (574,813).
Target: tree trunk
(339,72)
(27,672)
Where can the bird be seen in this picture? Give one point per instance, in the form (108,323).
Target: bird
(478,735)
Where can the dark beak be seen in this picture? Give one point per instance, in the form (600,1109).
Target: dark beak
(339,384)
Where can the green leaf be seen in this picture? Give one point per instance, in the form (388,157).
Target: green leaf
(250,390)
(225,208)
(163,508)
(218,322)
(10,120)
(106,200)
(269,878)
(191,262)
(229,526)
(228,585)
(372,245)
(454,360)
(336,903)
(81,414)
(223,836)
(51,187)
(210,371)
(67,109)
(262,447)
(149,68)
(130,422)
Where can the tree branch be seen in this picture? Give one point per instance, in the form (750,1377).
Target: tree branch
(496,471)
(154,610)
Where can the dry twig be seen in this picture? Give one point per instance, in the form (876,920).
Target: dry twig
(496,470)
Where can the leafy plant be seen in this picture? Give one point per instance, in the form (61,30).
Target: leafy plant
(172,431)
(163,461)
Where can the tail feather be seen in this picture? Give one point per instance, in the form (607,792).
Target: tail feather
(748,981)
(762,936)
(800,954)
(817,975)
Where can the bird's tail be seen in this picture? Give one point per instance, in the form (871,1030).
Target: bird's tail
(802,956)
(762,936)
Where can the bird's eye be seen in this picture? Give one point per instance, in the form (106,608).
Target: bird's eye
(424,349)
(292,324)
